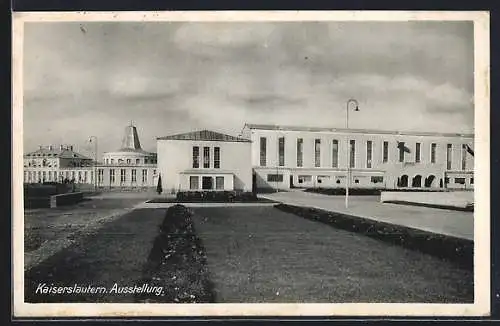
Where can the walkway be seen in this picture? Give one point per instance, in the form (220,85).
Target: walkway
(454,223)
(261,254)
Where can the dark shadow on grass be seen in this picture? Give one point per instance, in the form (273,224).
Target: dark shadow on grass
(456,250)
(177,263)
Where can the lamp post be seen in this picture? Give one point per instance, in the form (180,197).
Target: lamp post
(95,161)
(348,177)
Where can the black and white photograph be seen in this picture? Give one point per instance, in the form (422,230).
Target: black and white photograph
(258,163)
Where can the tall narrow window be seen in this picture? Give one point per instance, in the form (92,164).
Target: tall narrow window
(352,153)
(335,153)
(194,182)
(100,175)
(385,154)
(448,156)
(281,150)
(300,153)
(464,156)
(417,153)
(196,157)
(206,157)
(317,153)
(369,145)
(219,183)
(122,175)
(134,175)
(216,157)
(401,151)
(433,152)
(263,151)
(112,176)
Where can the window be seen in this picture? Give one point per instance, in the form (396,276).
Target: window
(281,150)
(79,176)
(196,157)
(112,176)
(100,175)
(369,154)
(216,157)
(194,182)
(122,175)
(433,152)
(377,179)
(137,161)
(72,175)
(448,156)
(305,178)
(417,153)
(219,183)
(206,157)
(460,181)
(401,151)
(128,161)
(207,183)
(352,155)
(300,154)
(317,153)
(144,176)
(85,175)
(335,153)
(44,176)
(146,161)
(263,151)
(275,177)
(464,156)
(112,161)
(471,181)
(134,175)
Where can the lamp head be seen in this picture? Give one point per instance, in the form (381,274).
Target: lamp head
(356,108)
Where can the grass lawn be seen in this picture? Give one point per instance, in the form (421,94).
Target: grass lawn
(261,254)
(115,253)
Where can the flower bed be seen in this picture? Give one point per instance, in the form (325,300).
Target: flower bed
(215,196)
(177,262)
(450,248)
(363,191)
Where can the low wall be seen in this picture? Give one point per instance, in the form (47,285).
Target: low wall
(66,199)
(458,199)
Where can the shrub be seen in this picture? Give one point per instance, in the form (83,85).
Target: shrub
(215,196)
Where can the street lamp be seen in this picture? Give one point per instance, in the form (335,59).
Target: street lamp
(348,180)
(95,160)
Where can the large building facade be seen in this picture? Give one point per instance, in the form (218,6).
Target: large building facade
(128,167)
(57,164)
(284,157)
(204,161)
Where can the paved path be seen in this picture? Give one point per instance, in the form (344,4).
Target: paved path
(261,254)
(454,223)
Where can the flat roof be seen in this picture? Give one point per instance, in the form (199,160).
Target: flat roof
(205,135)
(358,131)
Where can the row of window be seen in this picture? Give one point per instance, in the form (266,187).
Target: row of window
(54,176)
(308,178)
(129,161)
(123,175)
(206,157)
(207,183)
(352,150)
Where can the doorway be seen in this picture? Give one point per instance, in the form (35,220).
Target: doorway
(207,183)
(291,181)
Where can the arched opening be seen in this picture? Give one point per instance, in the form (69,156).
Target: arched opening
(403,182)
(417,181)
(429,180)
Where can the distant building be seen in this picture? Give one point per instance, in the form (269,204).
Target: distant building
(285,157)
(57,164)
(128,167)
(204,160)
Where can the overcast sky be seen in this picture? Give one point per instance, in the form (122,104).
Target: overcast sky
(85,79)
